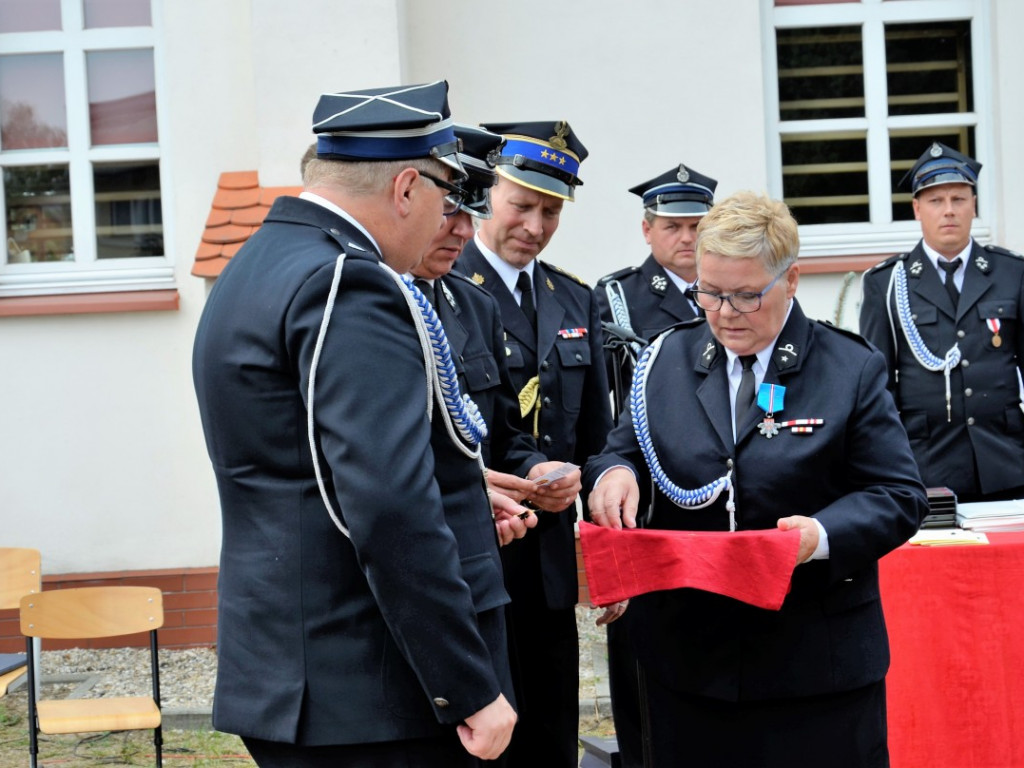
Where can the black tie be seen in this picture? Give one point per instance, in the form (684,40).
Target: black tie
(525,285)
(949,267)
(427,290)
(745,394)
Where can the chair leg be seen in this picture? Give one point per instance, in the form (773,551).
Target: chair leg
(33,688)
(158,743)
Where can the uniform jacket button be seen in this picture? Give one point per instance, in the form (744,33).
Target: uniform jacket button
(968,392)
(442,703)
(965,363)
(970,421)
(960,334)
(579,357)
(547,440)
(545,365)
(546,402)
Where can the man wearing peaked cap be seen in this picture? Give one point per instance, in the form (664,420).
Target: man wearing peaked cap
(947,317)
(639,302)
(472,322)
(644,300)
(553,352)
(361,603)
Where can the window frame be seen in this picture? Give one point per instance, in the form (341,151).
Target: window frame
(87,273)
(881,235)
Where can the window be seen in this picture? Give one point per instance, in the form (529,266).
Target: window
(856,92)
(79,148)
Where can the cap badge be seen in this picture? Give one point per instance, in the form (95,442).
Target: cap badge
(936,150)
(561,131)
(478,278)
(916,267)
(683,175)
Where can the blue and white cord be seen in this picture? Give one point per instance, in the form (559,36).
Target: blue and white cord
(695,499)
(924,356)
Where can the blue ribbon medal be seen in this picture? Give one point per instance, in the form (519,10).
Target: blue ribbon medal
(770,398)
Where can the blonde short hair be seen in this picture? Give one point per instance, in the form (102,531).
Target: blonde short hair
(747,225)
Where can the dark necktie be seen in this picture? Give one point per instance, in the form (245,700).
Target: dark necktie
(745,394)
(525,285)
(427,290)
(949,267)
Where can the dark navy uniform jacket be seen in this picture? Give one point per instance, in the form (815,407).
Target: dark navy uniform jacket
(472,322)
(981,450)
(854,473)
(654,303)
(397,632)
(575,414)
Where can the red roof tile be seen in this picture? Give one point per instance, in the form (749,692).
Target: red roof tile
(239,207)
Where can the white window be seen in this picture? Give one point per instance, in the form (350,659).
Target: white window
(79,148)
(856,91)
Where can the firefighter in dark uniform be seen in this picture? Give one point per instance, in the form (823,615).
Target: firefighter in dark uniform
(553,349)
(947,318)
(472,323)
(637,303)
(643,301)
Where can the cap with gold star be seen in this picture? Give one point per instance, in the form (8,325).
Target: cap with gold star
(941,165)
(680,191)
(544,156)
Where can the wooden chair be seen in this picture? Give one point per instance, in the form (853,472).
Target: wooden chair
(94,612)
(20,575)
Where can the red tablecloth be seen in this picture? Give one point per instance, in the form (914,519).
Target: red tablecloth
(955,616)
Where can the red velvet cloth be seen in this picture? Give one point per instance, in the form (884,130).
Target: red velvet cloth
(752,566)
(955,616)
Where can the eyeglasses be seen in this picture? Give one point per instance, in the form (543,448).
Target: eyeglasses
(741,302)
(455,197)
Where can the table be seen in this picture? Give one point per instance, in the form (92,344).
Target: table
(955,616)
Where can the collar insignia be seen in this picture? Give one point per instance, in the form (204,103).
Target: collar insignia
(449,297)
(982,263)
(708,355)
(916,267)
(478,278)
(786,356)
(549,284)
(659,283)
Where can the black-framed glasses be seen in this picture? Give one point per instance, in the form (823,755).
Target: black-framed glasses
(455,197)
(741,302)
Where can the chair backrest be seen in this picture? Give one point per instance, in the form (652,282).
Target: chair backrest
(20,575)
(86,612)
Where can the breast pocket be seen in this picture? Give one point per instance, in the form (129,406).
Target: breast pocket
(573,359)
(926,315)
(481,373)
(997,309)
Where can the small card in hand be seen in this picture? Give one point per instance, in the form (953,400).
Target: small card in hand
(555,474)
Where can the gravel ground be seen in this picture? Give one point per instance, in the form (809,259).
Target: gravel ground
(187,676)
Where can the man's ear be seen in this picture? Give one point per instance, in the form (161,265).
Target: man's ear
(404,189)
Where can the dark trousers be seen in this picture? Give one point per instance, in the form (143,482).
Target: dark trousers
(625,683)
(544,651)
(411,753)
(840,730)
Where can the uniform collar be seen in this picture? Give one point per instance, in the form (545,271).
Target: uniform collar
(325,203)
(509,275)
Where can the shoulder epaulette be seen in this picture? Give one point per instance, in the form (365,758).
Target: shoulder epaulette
(624,272)
(1003,251)
(889,262)
(845,332)
(560,271)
